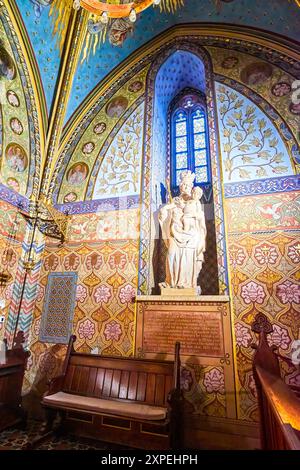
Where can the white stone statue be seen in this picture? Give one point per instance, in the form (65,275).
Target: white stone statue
(184,232)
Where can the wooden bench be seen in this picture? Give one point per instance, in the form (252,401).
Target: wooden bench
(279,404)
(129,401)
(11,381)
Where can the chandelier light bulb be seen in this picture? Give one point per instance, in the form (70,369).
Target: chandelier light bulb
(76,5)
(132,16)
(156,2)
(104,17)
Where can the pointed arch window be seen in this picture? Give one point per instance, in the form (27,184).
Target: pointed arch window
(189,140)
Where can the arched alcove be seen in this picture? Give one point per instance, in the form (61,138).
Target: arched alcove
(180,66)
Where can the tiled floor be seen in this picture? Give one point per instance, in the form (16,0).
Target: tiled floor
(16,439)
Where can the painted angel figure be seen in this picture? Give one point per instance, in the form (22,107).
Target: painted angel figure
(184,233)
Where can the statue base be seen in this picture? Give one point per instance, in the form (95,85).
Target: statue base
(175,292)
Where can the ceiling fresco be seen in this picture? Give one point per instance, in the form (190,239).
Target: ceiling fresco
(39,21)
(285,20)
(20,152)
(39,26)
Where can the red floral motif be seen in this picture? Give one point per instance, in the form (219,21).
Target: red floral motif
(253,292)
(237,256)
(51,262)
(86,329)
(37,326)
(94,261)
(127,293)
(242,335)
(294,252)
(40,293)
(288,292)
(81,293)
(117,260)
(266,254)
(295,379)
(251,384)
(9,257)
(9,291)
(47,364)
(71,262)
(112,331)
(29,362)
(186,380)
(279,337)
(214,381)
(102,294)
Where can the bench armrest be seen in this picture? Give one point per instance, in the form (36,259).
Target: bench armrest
(55,385)
(174,397)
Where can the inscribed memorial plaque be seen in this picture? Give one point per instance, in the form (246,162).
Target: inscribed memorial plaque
(200,333)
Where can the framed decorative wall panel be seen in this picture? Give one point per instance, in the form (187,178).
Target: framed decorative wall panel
(58,311)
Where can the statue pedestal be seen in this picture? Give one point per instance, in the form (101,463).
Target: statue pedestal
(203,326)
(173,292)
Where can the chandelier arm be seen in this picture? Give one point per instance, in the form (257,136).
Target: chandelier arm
(113,10)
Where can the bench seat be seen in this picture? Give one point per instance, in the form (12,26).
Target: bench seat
(131,410)
(129,401)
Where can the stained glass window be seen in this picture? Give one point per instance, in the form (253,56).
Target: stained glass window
(190,149)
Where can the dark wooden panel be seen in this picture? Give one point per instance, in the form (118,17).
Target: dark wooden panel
(76,379)
(92,380)
(11,379)
(124,384)
(84,379)
(168,386)
(160,390)
(150,391)
(141,388)
(99,382)
(69,378)
(132,388)
(107,382)
(122,363)
(115,384)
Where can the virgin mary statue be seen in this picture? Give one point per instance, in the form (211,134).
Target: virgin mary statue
(184,232)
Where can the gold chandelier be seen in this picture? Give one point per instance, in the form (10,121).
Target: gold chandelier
(112,9)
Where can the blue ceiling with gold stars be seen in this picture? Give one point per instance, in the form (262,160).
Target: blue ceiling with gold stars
(280,16)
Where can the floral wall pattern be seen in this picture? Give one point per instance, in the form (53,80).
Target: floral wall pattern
(264,272)
(104,312)
(251,146)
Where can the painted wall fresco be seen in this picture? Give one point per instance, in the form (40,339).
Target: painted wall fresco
(285,19)
(250,144)
(39,27)
(265,278)
(12,228)
(20,140)
(15,150)
(266,212)
(104,313)
(93,145)
(120,171)
(270,82)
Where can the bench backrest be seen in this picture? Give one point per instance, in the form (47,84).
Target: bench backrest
(125,379)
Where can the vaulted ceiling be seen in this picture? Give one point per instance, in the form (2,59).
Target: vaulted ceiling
(39,18)
(63,70)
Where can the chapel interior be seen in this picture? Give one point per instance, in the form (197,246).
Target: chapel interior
(149,224)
